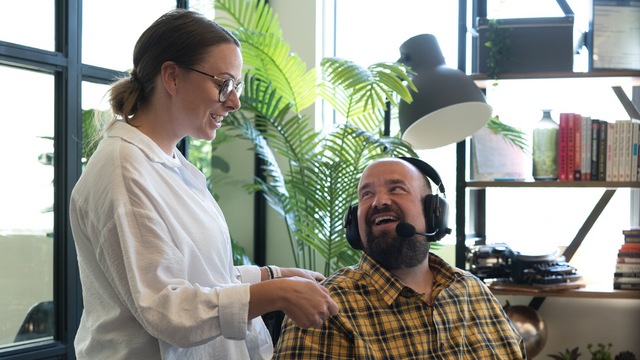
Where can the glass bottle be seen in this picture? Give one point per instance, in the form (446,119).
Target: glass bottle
(545,148)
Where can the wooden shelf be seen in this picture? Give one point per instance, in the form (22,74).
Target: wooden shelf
(589,292)
(594,78)
(552,184)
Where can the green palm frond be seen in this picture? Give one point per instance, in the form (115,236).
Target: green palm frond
(266,52)
(260,98)
(509,134)
(271,59)
(354,90)
(248,14)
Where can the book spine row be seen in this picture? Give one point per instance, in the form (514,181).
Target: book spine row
(597,150)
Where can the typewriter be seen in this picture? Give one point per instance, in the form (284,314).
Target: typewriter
(498,262)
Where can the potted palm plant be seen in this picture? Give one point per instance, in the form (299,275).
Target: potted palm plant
(315,179)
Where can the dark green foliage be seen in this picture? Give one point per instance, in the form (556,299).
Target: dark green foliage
(602,353)
(500,45)
(567,355)
(625,355)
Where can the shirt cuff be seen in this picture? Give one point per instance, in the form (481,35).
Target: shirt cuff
(234,311)
(249,274)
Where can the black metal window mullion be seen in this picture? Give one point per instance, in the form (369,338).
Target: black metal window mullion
(67,159)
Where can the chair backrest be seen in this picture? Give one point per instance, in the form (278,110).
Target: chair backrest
(38,322)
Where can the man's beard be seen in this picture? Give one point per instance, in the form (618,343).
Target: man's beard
(393,252)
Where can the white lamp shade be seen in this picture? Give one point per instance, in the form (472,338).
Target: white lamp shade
(448,125)
(447,106)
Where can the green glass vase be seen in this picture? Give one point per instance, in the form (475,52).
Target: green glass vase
(545,148)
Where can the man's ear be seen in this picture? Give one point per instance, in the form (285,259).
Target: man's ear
(169,75)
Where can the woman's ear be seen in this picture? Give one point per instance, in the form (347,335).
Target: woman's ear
(169,74)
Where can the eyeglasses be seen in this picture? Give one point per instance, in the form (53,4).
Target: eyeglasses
(226,85)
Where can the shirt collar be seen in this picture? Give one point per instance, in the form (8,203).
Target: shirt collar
(390,287)
(137,138)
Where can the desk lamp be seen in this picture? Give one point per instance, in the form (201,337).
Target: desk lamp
(448,106)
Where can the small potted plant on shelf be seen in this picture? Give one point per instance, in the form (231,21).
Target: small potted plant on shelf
(600,354)
(625,355)
(567,355)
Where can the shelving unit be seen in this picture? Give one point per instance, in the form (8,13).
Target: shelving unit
(597,78)
(478,196)
(477,189)
(589,292)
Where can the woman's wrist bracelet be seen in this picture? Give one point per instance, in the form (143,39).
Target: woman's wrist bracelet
(274,271)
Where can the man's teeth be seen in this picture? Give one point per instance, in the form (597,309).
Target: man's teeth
(216,118)
(383,218)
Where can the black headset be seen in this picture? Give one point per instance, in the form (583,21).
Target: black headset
(436,209)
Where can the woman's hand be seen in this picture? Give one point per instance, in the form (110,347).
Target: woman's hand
(303,273)
(307,303)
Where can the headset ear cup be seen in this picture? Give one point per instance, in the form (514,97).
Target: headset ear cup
(436,213)
(351,230)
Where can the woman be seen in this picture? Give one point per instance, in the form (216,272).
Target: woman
(153,247)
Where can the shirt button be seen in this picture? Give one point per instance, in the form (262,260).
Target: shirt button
(441,345)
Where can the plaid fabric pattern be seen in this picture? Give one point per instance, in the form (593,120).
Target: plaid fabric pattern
(380,318)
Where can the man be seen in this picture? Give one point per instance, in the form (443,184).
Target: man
(400,301)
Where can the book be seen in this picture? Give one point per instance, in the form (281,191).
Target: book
(577,145)
(562,148)
(631,239)
(635,130)
(626,280)
(627,150)
(628,274)
(602,151)
(583,147)
(587,149)
(571,143)
(629,249)
(619,286)
(628,260)
(609,167)
(629,245)
(627,253)
(625,268)
(621,134)
(595,139)
(631,232)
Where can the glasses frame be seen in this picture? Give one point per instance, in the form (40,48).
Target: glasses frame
(222,82)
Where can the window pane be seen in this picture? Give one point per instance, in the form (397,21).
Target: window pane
(26,210)
(36,28)
(110,29)
(387,29)
(205,7)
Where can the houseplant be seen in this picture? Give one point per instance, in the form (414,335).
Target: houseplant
(316,182)
(572,354)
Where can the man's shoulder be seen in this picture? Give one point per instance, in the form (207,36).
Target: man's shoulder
(347,278)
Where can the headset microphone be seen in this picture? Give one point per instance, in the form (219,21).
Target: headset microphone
(407,230)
